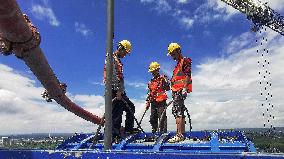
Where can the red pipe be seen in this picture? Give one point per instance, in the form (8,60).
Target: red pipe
(21,37)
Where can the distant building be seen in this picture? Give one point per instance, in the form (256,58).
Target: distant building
(6,141)
(49,136)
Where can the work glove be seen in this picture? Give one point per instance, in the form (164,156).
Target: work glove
(147,105)
(119,95)
(184,93)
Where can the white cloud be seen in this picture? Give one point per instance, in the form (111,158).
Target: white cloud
(159,5)
(45,13)
(92,103)
(182,1)
(222,8)
(15,81)
(98,83)
(82,29)
(206,12)
(213,10)
(45,2)
(165,6)
(278,5)
(24,111)
(244,41)
(162,6)
(209,11)
(136,84)
(187,22)
(226,91)
(146,1)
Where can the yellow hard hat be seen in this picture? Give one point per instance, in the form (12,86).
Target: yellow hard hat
(154,66)
(172,47)
(126,44)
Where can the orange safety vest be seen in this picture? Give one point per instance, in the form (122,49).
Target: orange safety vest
(157,92)
(178,79)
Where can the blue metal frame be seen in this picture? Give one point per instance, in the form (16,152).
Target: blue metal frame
(203,145)
(205,142)
(54,154)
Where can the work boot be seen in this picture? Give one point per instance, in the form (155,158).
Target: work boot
(132,132)
(151,139)
(176,138)
(135,131)
(116,140)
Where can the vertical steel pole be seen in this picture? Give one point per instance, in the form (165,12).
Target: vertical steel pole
(108,90)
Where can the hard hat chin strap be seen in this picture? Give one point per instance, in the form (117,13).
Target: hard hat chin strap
(120,47)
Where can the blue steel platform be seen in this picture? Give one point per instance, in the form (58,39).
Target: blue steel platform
(198,145)
(83,154)
(195,142)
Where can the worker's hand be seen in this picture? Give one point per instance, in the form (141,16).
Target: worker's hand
(147,105)
(184,93)
(102,122)
(119,95)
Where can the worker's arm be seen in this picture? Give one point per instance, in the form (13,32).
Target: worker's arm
(119,95)
(187,82)
(120,88)
(166,83)
(187,71)
(104,80)
(148,100)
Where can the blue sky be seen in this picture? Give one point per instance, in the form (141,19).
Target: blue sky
(213,34)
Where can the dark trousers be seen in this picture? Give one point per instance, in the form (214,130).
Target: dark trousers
(157,109)
(118,107)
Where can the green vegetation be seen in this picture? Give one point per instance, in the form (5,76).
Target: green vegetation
(267,143)
(44,145)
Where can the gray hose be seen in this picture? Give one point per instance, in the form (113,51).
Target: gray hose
(163,114)
(138,124)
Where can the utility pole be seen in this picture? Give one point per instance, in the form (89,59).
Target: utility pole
(108,88)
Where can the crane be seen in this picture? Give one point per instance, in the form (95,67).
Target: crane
(259,13)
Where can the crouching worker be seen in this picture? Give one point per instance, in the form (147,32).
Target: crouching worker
(157,98)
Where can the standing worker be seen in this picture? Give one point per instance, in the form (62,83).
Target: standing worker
(181,84)
(120,100)
(157,98)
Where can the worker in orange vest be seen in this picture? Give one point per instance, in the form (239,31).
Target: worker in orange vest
(181,84)
(157,98)
(120,100)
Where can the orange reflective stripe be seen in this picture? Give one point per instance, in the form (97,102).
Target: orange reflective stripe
(178,78)
(178,82)
(162,97)
(178,86)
